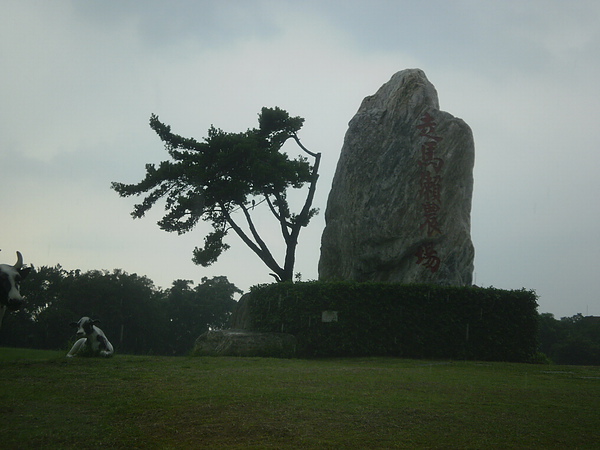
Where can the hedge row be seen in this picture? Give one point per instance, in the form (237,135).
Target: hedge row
(416,321)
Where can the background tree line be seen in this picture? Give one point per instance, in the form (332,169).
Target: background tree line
(136,316)
(140,318)
(570,340)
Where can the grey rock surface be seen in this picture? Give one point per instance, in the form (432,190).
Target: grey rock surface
(240,319)
(245,343)
(400,204)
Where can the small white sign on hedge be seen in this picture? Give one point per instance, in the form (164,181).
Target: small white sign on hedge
(329,316)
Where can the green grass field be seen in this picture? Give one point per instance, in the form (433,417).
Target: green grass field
(49,401)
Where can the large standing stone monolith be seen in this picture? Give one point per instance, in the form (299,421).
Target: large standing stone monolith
(400,203)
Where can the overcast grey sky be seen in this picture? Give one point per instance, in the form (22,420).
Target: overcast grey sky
(80,79)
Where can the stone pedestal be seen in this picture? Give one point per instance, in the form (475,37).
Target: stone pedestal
(245,343)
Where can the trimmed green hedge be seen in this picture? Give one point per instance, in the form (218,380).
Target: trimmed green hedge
(416,321)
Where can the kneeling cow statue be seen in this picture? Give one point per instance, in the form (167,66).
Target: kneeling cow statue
(92,340)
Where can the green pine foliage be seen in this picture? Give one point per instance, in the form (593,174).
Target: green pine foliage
(220,179)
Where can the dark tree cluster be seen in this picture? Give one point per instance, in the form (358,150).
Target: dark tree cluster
(137,317)
(570,340)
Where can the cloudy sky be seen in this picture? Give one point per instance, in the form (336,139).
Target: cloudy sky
(80,79)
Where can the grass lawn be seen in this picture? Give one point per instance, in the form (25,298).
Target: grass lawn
(49,401)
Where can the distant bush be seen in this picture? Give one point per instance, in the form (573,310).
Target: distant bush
(137,317)
(570,340)
(417,321)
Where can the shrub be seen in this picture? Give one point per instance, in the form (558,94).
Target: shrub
(416,321)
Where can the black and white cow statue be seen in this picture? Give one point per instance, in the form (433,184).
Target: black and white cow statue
(92,340)
(10,281)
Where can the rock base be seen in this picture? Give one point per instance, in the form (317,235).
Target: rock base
(245,343)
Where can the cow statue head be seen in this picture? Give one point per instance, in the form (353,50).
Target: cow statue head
(85,326)
(10,280)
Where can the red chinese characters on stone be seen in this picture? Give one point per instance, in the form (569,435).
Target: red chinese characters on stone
(431,224)
(427,256)
(431,191)
(431,187)
(427,126)
(428,158)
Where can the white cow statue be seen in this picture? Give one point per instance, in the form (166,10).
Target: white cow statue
(10,280)
(92,340)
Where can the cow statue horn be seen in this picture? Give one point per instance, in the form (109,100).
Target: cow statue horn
(19,263)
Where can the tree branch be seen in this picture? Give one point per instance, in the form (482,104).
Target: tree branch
(302,219)
(259,247)
(311,191)
(284,225)
(314,155)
